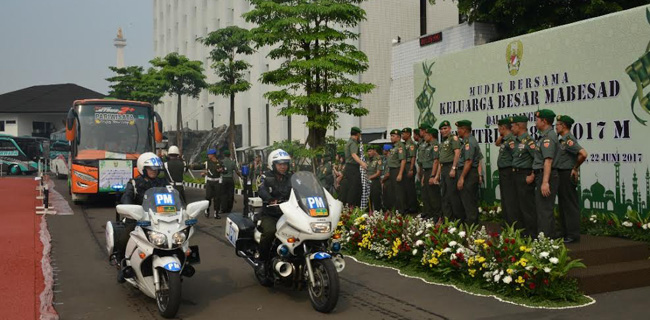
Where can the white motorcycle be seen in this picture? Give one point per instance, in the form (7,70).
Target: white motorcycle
(157,251)
(306,251)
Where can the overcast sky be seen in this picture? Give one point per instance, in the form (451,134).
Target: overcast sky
(70,41)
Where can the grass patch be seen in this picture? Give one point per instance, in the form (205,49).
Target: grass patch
(409,269)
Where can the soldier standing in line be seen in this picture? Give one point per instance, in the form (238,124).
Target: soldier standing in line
(468,182)
(228,185)
(429,162)
(411,201)
(351,184)
(212,174)
(374,176)
(524,178)
(545,168)
(175,168)
(387,199)
(396,167)
(449,157)
(506,144)
(570,157)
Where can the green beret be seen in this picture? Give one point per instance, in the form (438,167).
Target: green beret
(416,131)
(505,121)
(464,123)
(423,125)
(355,130)
(566,119)
(226,152)
(517,119)
(433,132)
(395,131)
(407,130)
(444,124)
(545,114)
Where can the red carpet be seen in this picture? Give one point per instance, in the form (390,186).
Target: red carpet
(21,250)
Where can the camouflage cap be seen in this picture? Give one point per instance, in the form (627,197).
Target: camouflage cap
(444,123)
(566,119)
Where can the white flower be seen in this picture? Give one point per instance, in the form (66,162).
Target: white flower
(460,250)
(446,250)
(555,247)
(497,278)
(452,230)
(593,216)
(429,225)
(646,226)
(419,243)
(528,268)
(507,279)
(554,260)
(462,234)
(547,269)
(419,233)
(492,212)
(480,210)
(501,272)
(544,254)
(452,257)
(627,224)
(499,209)
(365,215)
(453,244)
(415,251)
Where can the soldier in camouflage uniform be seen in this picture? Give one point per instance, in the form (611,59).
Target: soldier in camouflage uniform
(547,179)
(506,144)
(449,158)
(428,157)
(468,182)
(570,157)
(397,166)
(387,198)
(411,201)
(374,176)
(524,178)
(213,181)
(351,184)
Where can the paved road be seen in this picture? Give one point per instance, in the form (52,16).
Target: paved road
(224,285)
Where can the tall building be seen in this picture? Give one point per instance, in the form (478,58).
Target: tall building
(119,42)
(178,23)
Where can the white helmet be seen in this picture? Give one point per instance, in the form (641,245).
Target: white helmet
(278,156)
(173,150)
(149,160)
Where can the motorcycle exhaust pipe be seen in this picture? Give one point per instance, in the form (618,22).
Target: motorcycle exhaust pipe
(284,269)
(339,263)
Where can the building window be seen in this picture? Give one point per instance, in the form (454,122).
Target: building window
(2,126)
(42,129)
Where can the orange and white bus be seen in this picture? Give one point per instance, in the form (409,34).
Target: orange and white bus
(106,137)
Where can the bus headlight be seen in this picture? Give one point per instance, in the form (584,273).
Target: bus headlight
(157,239)
(83,176)
(321,227)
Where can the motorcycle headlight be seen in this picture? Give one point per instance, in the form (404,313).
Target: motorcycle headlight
(321,227)
(157,239)
(179,237)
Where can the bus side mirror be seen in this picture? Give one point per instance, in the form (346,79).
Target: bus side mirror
(71,125)
(158,125)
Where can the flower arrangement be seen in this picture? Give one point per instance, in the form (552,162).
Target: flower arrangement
(492,213)
(506,262)
(633,225)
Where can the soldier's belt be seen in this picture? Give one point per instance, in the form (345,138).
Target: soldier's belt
(212,179)
(176,183)
(523,170)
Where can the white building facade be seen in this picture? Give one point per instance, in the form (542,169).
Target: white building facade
(178,23)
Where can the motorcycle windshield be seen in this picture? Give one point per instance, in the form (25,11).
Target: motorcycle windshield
(162,201)
(310,194)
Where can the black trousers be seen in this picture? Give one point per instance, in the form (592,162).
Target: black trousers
(268,235)
(469,196)
(227,194)
(545,205)
(351,185)
(452,207)
(431,198)
(397,188)
(181,192)
(410,194)
(375,194)
(508,194)
(388,197)
(525,212)
(567,195)
(213,194)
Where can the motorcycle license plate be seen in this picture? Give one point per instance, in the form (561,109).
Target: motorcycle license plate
(232,232)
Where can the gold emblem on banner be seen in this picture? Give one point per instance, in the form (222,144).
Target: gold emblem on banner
(514,55)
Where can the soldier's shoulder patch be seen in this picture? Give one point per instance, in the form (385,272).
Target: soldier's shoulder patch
(435,148)
(547,140)
(455,138)
(531,145)
(570,143)
(467,146)
(546,144)
(379,162)
(400,150)
(511,144)
(412,147)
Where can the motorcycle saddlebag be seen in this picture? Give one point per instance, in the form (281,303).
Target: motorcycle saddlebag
(238,227)
(116,237)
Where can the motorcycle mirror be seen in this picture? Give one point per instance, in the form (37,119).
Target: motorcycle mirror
(158,127)
(71,125)
(195,208)
(132,211)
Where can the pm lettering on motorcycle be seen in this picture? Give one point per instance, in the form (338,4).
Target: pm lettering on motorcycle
(164,199)
(316,207)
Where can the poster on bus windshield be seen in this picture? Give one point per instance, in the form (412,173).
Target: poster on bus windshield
(114,175)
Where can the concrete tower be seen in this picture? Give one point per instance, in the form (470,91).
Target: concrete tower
(120,43)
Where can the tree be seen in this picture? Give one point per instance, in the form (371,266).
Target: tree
(516,17)
(131,83)
(312,39)
(227,43)
(181,77)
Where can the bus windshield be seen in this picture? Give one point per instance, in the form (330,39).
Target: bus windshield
(115,128)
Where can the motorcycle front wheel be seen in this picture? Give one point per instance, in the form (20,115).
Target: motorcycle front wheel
(324,294)
(168,297)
